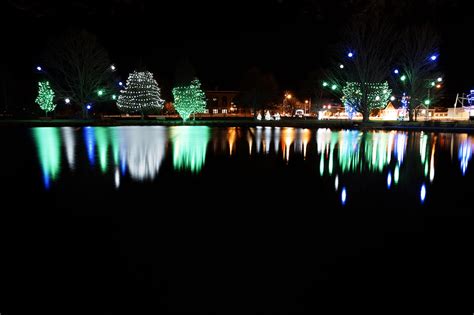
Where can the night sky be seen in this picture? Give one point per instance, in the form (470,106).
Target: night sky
(223,39)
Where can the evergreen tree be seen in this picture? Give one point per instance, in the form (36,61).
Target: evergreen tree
(189,99)
(141,94)
(45,97)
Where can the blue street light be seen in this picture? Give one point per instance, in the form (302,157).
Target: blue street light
(89,106)
(39,68)
(396,71)
(434,57)
(350,54)
(120,83)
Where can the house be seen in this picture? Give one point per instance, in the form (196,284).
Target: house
(221,102)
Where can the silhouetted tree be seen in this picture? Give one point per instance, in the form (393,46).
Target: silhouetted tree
(373,49)
(79,69)
(258,90)
(185,73)
(418,70)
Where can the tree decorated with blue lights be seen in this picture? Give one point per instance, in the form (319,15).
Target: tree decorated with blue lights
(418,77)
(189,99)
(360,81)
(141,94)
(45,97)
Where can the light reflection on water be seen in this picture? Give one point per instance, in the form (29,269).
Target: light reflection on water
(139,152)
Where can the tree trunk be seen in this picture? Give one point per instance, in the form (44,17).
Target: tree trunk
(365,115)
(410,114)
(46,113)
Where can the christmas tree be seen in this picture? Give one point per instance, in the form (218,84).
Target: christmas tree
(141,94)
(189,99)
(45,97)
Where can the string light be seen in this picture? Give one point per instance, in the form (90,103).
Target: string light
(45,97)
(141,94)
(378,95)
(189,99)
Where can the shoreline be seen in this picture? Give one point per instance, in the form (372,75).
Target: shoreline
(436,126)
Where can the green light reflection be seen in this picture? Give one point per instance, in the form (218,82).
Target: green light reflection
(189,147)
(48,144)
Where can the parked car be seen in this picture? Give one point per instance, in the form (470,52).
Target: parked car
(299,113)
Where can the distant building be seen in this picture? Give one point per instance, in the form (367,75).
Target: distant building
(221,102)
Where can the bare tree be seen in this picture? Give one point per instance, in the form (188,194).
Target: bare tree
(259,90)
(79,69)
(368,55)
(418,77)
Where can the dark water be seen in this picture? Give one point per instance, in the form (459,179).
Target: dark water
(156,219)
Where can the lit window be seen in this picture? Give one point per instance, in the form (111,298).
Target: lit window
(206,111)
(224,111)
(215,111)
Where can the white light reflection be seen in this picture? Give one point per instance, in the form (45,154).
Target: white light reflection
(69,139)
(144,150)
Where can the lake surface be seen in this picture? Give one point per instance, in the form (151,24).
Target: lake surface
(193,218)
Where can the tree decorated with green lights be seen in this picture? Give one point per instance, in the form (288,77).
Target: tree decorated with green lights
(377,95)
(189,99)
(418,76)
(45,97)
(141,94)
(360,81)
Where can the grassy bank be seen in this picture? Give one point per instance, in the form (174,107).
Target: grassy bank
(464,126)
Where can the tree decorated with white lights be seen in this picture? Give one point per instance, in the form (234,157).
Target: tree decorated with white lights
(189,99)
(45,97)
(361,81)
(377,95)
(141,94)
